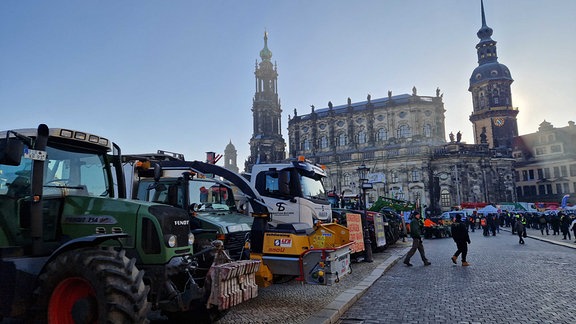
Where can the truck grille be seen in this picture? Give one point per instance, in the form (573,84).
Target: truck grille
(235,243)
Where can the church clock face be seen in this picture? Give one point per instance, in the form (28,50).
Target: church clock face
(499,121)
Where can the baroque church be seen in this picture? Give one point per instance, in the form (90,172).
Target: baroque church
(401,139)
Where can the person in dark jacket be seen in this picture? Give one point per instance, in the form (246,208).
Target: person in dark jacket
(462,239)
(416,226)
(519,227)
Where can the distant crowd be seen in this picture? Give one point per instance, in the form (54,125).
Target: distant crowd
(559,223)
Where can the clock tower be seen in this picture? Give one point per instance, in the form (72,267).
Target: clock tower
(493,116)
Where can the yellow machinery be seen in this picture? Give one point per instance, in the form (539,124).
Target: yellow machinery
(319,255)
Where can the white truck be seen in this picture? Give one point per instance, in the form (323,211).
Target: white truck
(293,191)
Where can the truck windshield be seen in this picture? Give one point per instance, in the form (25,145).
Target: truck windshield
(210,194)
(312,188)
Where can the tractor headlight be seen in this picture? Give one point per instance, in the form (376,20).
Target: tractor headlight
(190,239)
(171,240)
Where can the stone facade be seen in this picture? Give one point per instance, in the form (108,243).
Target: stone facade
(545,167)
(402,140)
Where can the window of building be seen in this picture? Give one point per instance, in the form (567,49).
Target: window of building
(361,137)
(383,135)
(347,179)
(547,173)
(573,170)
(541,190)
(556,172)
(563,171)
(427,131)
(566,186)
(306,145)
(549,189)
(323,142)
(556,149)
(541,150)
(403,131)
(530,174)
(574,185)
(540,174)
(394,177)
(415,175)
(341,139)
(445,199)
(524,175)
(558,188)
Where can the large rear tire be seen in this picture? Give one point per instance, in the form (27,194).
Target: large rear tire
(92,285)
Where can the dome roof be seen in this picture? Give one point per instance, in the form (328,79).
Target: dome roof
(230,147)
(265,53)
(490,71)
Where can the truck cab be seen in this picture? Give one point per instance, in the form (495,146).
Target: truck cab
(294,191)
(209,201)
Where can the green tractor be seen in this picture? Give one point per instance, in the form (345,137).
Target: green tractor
(71,252)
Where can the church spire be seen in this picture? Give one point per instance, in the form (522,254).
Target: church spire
(486,48)
(265,53)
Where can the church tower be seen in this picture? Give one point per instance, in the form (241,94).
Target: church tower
(266,144)
(493,116)
(230,157)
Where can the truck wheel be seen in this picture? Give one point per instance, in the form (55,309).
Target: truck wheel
(92,285)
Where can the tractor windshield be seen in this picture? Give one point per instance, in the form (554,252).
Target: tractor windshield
(66,172)
(75,172)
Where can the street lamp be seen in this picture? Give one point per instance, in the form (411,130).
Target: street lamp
(364,185)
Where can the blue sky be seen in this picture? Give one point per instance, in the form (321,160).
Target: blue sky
(179,75)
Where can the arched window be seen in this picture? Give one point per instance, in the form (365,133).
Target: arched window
(361,137)
(306,144)
(445,199)
(403,131)
(323,142)
(341,140)
(347,179)
(394,176)
(427,131)
(382,135)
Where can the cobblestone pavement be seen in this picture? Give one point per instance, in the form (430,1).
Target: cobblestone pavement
(294,302)
(506,283)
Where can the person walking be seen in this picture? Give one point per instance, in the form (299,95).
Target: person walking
(543,224)
(573,227)
(519,227)
(565,225)
(462,239)
(416,226)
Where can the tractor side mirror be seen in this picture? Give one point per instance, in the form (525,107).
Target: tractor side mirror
(11,151)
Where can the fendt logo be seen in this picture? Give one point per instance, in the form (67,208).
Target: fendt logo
(281,206)
(181,222)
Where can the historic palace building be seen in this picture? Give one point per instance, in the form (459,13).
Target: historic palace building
(402,140)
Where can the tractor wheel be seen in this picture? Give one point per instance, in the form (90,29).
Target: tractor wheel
(92,285)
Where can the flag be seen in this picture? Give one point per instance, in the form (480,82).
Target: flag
(564,201)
